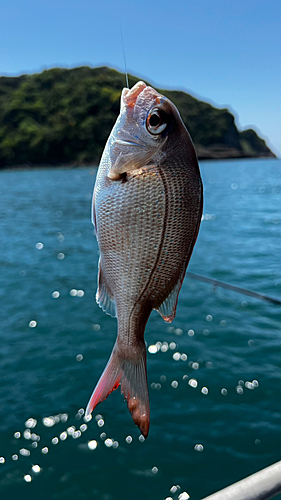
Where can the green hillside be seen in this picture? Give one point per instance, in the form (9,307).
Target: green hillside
(64,116)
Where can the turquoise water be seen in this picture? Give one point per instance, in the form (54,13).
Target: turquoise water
(215,382)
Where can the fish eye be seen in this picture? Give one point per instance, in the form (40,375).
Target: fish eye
(155,122)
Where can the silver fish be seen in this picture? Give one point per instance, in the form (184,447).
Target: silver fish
(147,208)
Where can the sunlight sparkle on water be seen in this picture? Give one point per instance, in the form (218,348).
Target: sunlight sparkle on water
(31,423)
(92,445)
(48,421)
(184,496)
(193,382)
(24,452)
(152,349)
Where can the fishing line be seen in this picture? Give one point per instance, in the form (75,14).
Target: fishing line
(234,288)
(122,40)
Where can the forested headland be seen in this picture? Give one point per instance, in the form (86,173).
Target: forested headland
(64,116)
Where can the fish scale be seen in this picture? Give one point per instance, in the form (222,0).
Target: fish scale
(147,208)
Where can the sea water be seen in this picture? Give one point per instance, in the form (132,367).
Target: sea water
(214,374)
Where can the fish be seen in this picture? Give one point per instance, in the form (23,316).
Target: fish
(147,209)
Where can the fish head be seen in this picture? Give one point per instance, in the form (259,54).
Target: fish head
(148,127)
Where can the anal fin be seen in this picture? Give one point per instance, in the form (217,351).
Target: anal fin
(168,308)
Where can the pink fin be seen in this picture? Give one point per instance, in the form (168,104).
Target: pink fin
(129,371)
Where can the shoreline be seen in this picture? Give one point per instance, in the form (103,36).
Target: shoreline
(72,166)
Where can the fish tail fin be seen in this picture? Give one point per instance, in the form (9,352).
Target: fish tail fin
(126,367)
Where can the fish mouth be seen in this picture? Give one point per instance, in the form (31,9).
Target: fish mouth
(129,96)
(122,142)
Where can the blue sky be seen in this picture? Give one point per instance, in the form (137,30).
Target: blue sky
(226,52)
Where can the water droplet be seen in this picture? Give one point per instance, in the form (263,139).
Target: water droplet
(39,245)
(79,357)
(174,384)
(27,478)
(36,468)
(60,256)
(129,439)
(32,324)
(55,294)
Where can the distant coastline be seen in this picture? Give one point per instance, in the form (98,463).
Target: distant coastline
(62,117)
